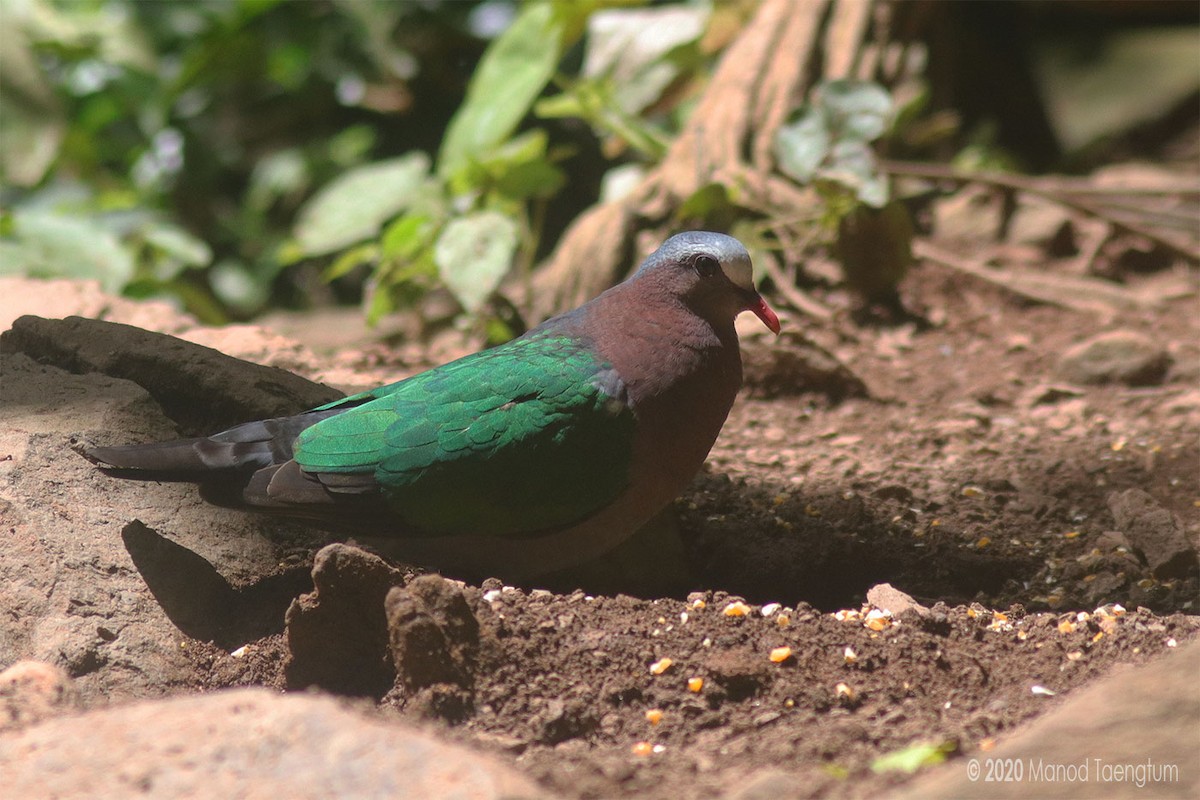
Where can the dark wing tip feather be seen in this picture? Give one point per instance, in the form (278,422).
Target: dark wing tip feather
(179,456)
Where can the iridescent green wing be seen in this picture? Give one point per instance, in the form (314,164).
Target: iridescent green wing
(531,435)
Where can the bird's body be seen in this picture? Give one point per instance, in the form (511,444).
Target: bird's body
(531,456)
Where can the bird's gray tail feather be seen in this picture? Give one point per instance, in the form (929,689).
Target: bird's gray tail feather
(253,445)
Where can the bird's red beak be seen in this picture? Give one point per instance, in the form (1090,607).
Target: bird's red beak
(764,312)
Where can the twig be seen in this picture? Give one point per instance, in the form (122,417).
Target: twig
(1050,184)
(1076,293)
(793,295)
(1050,190)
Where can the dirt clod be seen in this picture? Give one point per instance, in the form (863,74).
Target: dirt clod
(1155,532)
(1116,357)
(337,635)
(433,633)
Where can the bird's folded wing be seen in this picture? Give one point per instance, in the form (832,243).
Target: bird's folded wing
(526,437)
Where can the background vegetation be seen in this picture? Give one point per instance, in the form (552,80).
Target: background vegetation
(244,154)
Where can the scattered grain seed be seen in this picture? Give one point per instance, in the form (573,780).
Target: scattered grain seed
(1066,626)
(654,716)
(1099,635)
(642,749)
(661,666)
(1041,691)
(972,491)
(695,684)
(769,609)
(1071,535)
(698,603)
(1075,655)
(736,609)
(983,542)
(1172,643)
(844,692)
(987,745)
(781,654)
(849,655)
(782,620)
(877,620)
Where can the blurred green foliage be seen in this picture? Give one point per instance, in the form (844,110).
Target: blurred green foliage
(233,153)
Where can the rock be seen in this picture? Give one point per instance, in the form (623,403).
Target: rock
(72,589)
(31,691)
(1045,224)
(1133,718)
(888,598)
(337,634)
(173,371)
(434,639)
(770,785)
(247,743)
(1116,357)
(1154,532)
(1046,394)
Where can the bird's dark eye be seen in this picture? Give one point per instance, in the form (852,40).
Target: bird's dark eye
(706,266)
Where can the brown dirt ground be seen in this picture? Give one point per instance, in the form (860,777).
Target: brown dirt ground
(972,477)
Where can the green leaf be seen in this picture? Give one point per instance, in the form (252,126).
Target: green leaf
(510,76)
(379,303)
(704,202)
(46,244)
(355,256)
(473,255)
(520,168)
(630,47)
(858,110)
(32,123)
(801,146)
(914,757)
(406,237)
(236,286)
(852,164)
(353,206)
(178,244)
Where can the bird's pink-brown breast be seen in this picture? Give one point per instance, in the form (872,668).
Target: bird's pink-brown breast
(681,375)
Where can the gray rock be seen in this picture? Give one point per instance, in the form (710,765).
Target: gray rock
(71,586)
(770,785)
(888,598)
(31,691)
(245,743)
(1154,532)
(1135,716)
(1116,357)
(173,371)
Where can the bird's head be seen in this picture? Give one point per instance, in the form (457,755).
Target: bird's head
(711,274)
